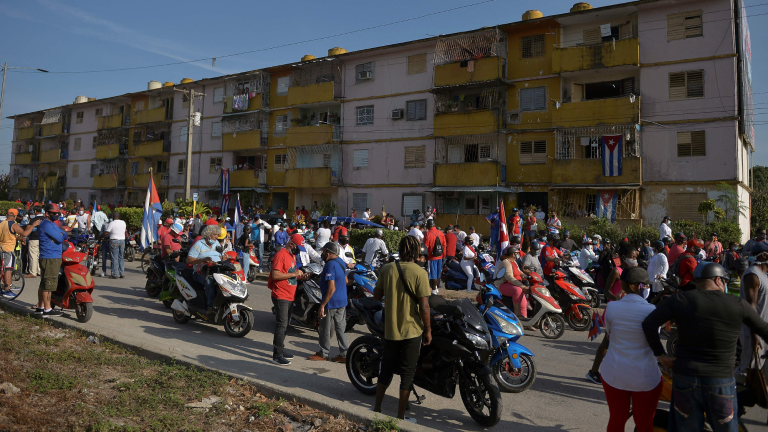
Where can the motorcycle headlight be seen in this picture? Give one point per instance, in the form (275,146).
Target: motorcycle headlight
(502,340)
(506,326)
(573,297)
(230,287)
(545,292)
(477,341)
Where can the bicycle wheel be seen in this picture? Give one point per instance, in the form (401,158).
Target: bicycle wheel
(14,292)
(145,257)
(16,275)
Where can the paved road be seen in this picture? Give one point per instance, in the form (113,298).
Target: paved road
(560,399)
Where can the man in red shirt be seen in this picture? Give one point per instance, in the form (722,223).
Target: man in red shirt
(515,223)
(450,242)
(161,231)
(688,264)
(339,230)
(305,213)
(282,282)
(676,248)
(434,262)
(550,256)
(168,245)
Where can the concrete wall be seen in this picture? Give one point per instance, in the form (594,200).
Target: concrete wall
(390,197)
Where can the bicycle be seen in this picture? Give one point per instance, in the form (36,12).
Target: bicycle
(148,255)
(12,293)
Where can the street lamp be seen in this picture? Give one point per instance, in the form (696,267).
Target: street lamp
(2,92)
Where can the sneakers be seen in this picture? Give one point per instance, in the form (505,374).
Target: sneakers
(594,377)
(51,313)
(281,361)
(122,276)
(39,311)
(287,356)
(435,292)
(113,277)
(318,356)
(339,359)
(102,275)
(9,293)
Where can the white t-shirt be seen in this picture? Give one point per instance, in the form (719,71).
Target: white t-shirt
(344,250)
(461,236)
(371,246)
(664,231)
(82,221)
(366,215)
(323,237)
(475,239)
(556,225)
(116,230)
(415,232)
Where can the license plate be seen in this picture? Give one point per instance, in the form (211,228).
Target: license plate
(235,315)
(132,242)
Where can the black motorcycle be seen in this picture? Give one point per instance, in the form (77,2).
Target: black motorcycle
(459,352)
(308,298)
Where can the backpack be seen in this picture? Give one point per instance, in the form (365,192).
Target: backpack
(673,276)
(437,249)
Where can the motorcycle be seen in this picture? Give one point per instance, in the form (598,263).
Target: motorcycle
(253,265)
(231,256)
(230,309)
(363,282)
(460,349)
(512,364)
(546,311)
(574,302)
(130,248)
(75,284)
(583,280)
(155,276)
(485,264)
(454,277)
(307,299)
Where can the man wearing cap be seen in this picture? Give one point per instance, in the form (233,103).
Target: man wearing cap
(203,252)
(332,310)
(754,290)
(677,249)
(664,229)
(169,246)
(282,282)
(688,264)
(281,237)
(708,324)
(51,238)
(10,231)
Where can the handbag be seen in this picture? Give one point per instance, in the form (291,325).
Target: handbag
(756,381)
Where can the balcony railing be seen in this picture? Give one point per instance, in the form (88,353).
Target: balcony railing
(484,69)
(586,142)
(624,52)
(23,158)
(108,181)
(248,178)
(313,135)
(110,151)
(469,174)
(110,121)
(466,123)
(243,140)
(314,93)
(310,177)
(142,180)
(624,109)
(51,129)
(51,156)
(25,133)
(147,149)
(149,116)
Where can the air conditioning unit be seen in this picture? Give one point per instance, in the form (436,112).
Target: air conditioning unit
(452,195)
(164,177)
(397,114)
(364,75)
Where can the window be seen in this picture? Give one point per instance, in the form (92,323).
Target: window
(78,143)
(94,169)
(75,170)
(416,157)
(470,152)
(686,85)
(533,99)
(361,201)
(685,206)
(134,168)
(485,205)
(533,152)
(364,115)
(326,160)
(364,72)
(178,195)
(361,159)
(282,85)
(184,100)
(281,125)
(181,168)
(138,106)
(533,46)
(484,152)
(411,202)
(416,110)
(417,64)
(470,205)
(591,207)
(73,196)
(215,129)
(215,165)
(609,89)
(691,144)
(162,167)
(99,112)
(281,162)
(94,141)
(592,36)
(218,94)
(183,133)
(684,25)
(79,117)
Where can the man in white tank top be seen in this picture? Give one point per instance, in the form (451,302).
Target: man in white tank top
(754,289)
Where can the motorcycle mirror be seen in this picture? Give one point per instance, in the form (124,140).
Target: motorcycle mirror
(176,240)
(219,249)
(349,255)
(488,305)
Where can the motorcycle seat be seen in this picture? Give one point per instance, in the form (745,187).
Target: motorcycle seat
(454,265)
(178,266)
(370,305)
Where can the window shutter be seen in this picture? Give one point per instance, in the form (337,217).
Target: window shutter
(628,85)
(693,26)
(526,100)
(675,27)
(695,84)
(593,36)
(686,206)
(411,202)
(683,144)
(360,201)
(182,134)
(540,152)
(415,157)
(526,152)
(218,94)
(677,90)
(75,170)
(361,158)
(417,64)
(625,31)
(684,25)
(455,154)
(410,107)
(421,110)
(698,145)
(540,98)
(216,129)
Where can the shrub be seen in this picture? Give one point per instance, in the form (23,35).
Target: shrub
(358,237)
(605,229)
(132,216)
(637,232)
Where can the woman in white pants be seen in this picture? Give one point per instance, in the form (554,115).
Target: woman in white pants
(468,262)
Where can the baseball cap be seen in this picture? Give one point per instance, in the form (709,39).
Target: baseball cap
(695,242)
(169,221)
(52,208)
(297,239)
(12,211)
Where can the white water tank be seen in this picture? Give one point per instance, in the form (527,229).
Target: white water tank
(154,85)
(81,99)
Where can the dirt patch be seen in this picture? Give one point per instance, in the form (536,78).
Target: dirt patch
(52,379)
(458,294)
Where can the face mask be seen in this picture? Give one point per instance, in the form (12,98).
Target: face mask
(110,219)
(733,248)
(80,212)
(422,263)
(644,291)
(295,250)
(630,262)
(343,242)
(53,217)
(210,242)
(324,256)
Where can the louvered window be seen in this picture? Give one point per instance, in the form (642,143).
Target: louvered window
(691,144)
(532,46)
(361,201)
(416,110)
(592,36)
(533,152)
(686,206)
(361,158)
(533,99)
(416,157)
(470,152)
(281,162)
(684,25)
(686,85)
(417,64)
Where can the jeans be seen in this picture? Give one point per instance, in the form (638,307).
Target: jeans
(104,253)
(245,261)
(117,248)
(259,249)
(283,309)
(692,397)
(400,357)
(334,318)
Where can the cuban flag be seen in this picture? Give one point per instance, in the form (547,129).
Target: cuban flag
(612,152)
(597,326)
(607,202)
(153,211)
(503,240)
(238,211)
(225,196)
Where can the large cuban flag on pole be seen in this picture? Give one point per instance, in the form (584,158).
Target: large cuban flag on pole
(153,211)
(503,240)
(612,154)
(238,211)
(607,202)
(225,196)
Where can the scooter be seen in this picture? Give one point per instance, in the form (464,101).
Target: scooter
(512,364)
(75,285)
(232,258)
(485,263)
(454,277)
(582,279)
(546,312)
(307,299)
(363,282)
(230,309)
(253,265)
(574,302)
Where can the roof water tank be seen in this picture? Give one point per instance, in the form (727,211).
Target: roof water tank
(81,99)
(581,6)
(532,14)
(336,51)
(169,84)
(308,57)
(152,85)
(186,80)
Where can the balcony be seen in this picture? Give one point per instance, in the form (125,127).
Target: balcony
(25,133)
(312,135)
(22,183)
(51,156)
(603,55)
(51,182)
(110,151)
(485,69)
(322,92)
(247,178)
(149,116)
(51,129)
(310,177)
(243,140)
(589,113)
(590,172)
(142,180)
(254,104)
(106,181)
(23,158)
(466,123)
(147,149)
(468,174)
(110,122)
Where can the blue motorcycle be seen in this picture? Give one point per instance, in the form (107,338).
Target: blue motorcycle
(454,277)
(363,281)
(512,364)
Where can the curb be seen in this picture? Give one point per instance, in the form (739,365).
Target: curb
(323,403)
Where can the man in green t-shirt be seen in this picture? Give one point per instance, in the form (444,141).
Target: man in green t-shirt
(406,316)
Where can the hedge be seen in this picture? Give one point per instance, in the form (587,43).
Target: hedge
(358,237)
(132,216)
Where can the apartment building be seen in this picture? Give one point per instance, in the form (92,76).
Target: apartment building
(520,113)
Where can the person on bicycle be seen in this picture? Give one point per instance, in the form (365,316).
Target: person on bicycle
(10,232)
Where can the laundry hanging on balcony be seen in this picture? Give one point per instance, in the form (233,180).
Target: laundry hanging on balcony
(607,203)
(240,102)
(613,146)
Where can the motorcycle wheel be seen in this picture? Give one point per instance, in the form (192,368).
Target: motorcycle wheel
(84,312)
(130,254)
(585,321)
(482,398)
(595,302)
(179,317)
(513,381)
(552,326)
(241,327)
(152,289)
(363,361)
(167,303)
(251,274)
(16,275)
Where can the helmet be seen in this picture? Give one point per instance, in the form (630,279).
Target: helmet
(535,245)
(607,241)
(741,265)
(177,228)
(566,233)
(343,239)
(658,245)
(680,236)
(588,241)
(597,236)
(223,233)
(515,240)
(695,243)
(430,223)
(511,249)
(708,270)
(379,232)
(293,225)
(553,237)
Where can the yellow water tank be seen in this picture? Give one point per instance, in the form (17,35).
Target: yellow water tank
(169,84)
(581,6)
(336,51)
(308,57)
(186,80)
(532,14)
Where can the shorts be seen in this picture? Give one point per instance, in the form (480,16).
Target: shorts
(49,272)
(530,233)
(400,357)
(9,260)
(434,268)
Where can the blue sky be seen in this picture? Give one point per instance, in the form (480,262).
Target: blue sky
(71,35)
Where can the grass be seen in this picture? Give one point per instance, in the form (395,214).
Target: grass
(384,425)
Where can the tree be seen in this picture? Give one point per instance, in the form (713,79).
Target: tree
(760,178)
(5,186)
(730,202)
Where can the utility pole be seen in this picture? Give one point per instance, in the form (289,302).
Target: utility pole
(2,92)
(191,123)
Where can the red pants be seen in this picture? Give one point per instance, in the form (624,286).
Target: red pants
(643,407)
